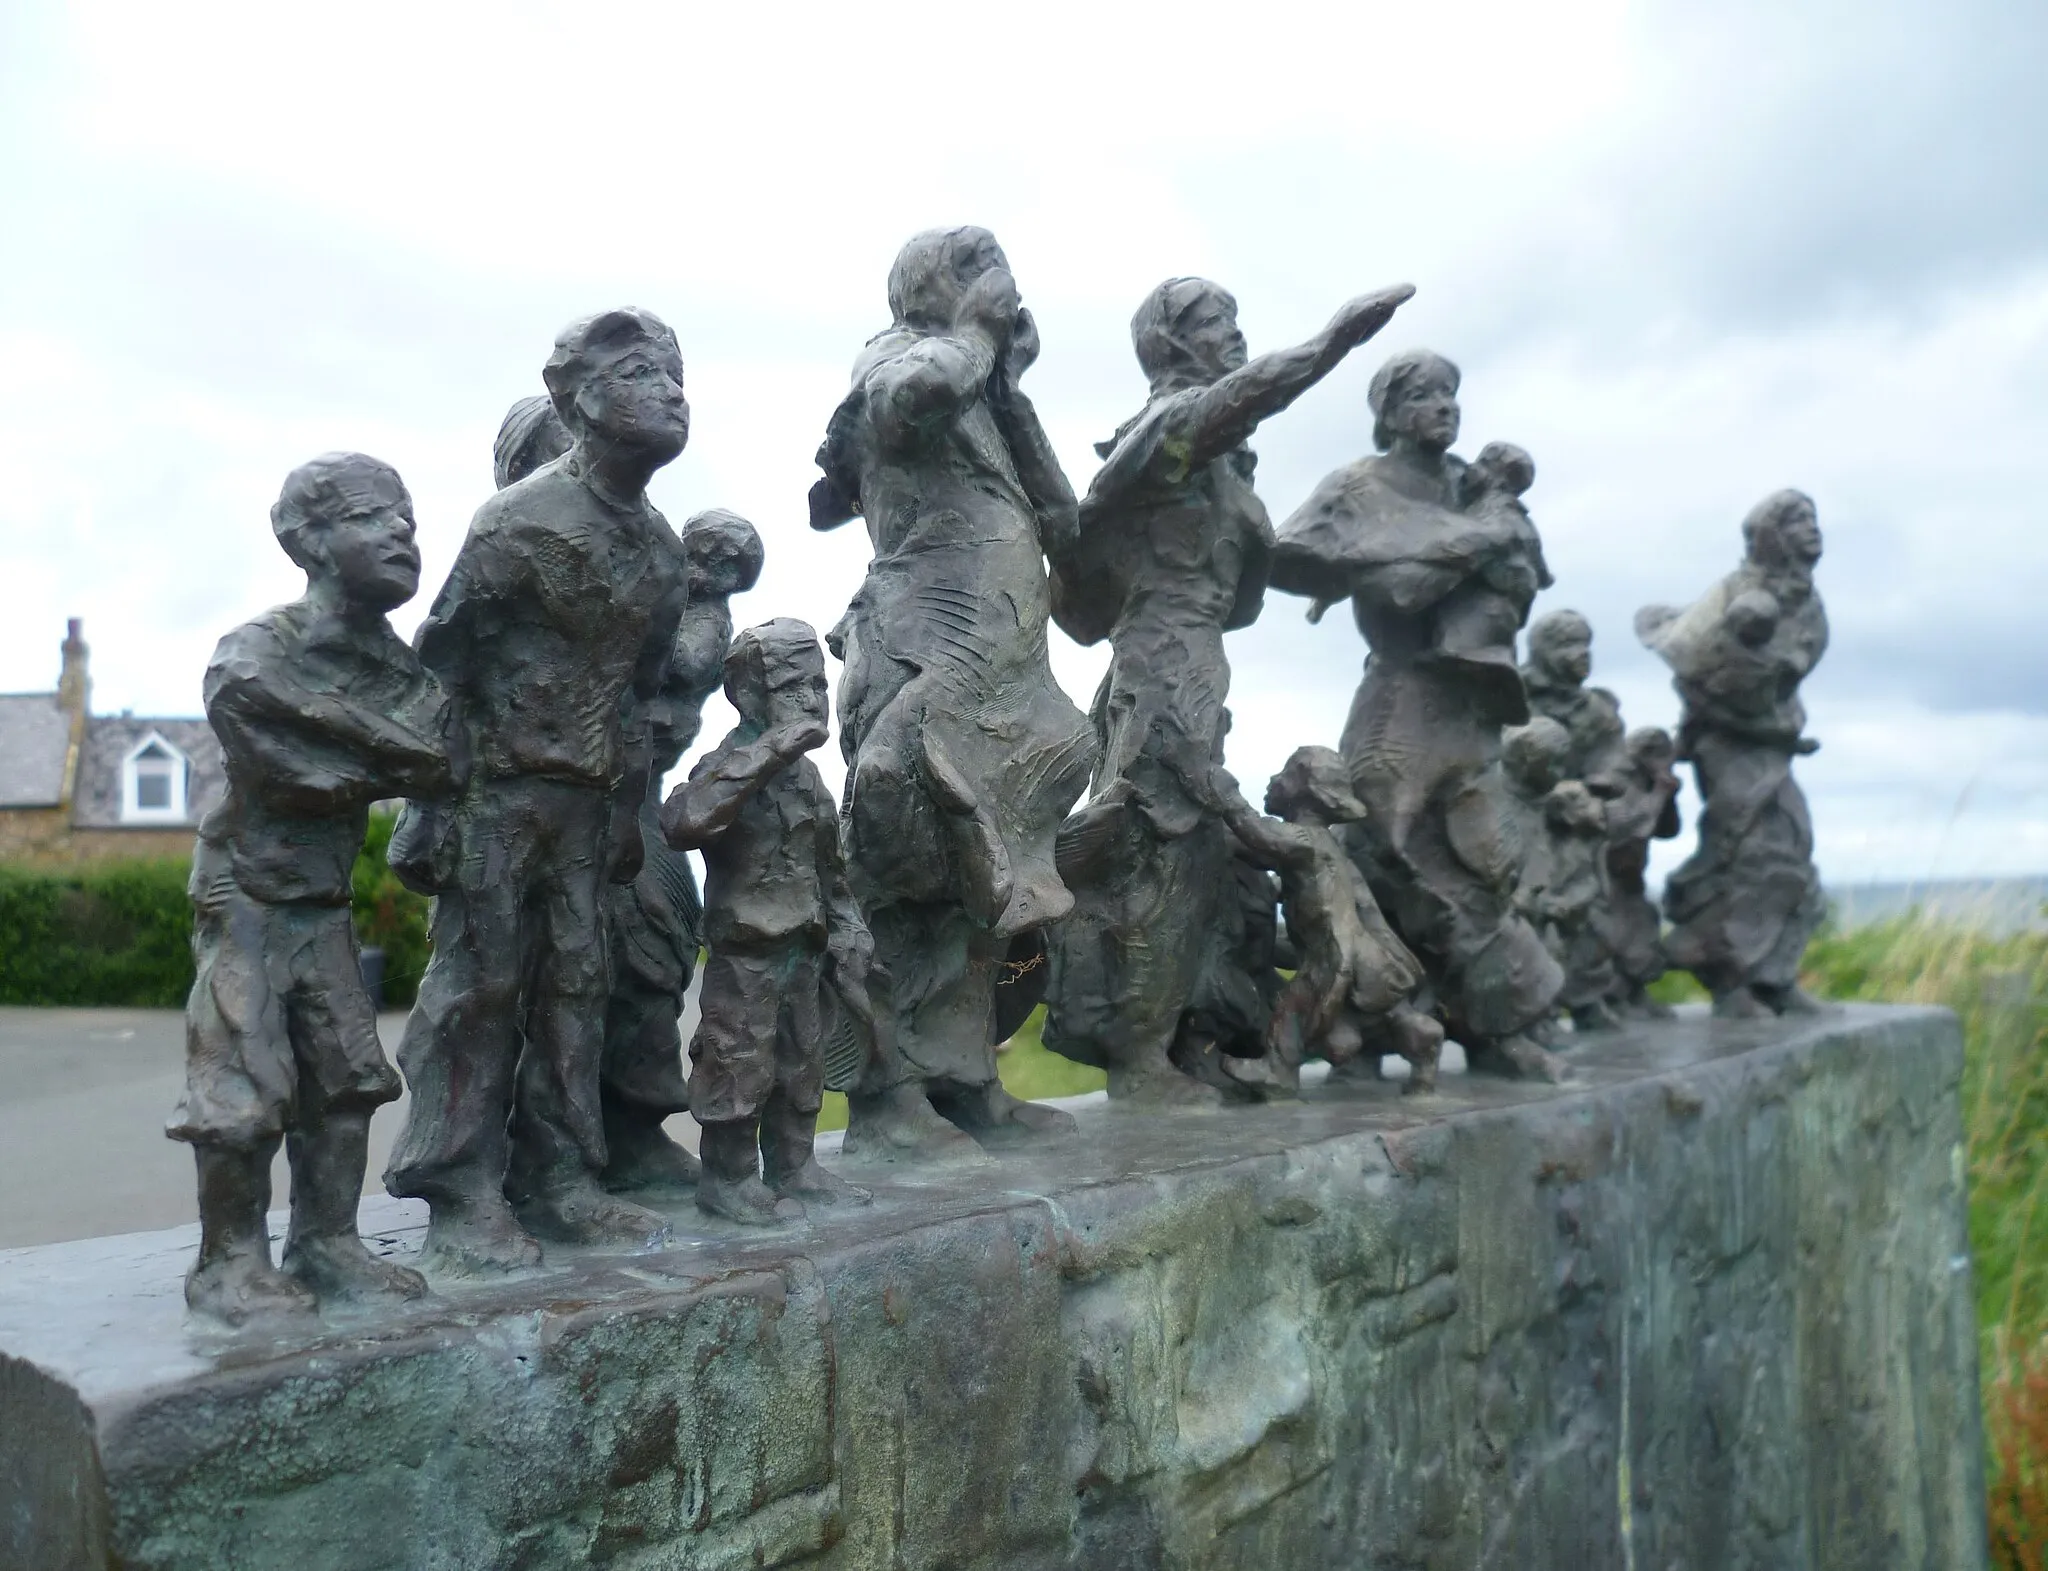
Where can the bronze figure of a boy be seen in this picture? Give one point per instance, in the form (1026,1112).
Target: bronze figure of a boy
(321,709)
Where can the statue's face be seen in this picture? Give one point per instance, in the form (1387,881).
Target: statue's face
(975,252)
(1426,413)
(801,692)
(636,401)
(1211,338)
(1569,656)
(719,567)
(371,551)
(1799,537)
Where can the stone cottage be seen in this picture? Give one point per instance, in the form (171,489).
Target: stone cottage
(80,787)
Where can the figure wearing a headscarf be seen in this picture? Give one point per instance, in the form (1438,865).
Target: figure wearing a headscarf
(962,753)
(1745,903)
(1423,740)
(1172,554)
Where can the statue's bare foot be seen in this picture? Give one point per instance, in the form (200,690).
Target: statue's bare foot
(815,1185)
(1741,1003)
(1794,1000)
(645,1161)
(1264,1076)
(745,1200)
(1515,1057)
(1644,1007)
(899,1126)
(1155,1082)
(1420,1040)
(1359,1070)
(580,1212)
(472,1238)
(994,1117)
(1596,1016)
(237,1288)
(343,1268)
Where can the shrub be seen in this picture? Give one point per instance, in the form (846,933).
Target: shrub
(389,915)
(1998,985)
(112,934)
(2016,1415)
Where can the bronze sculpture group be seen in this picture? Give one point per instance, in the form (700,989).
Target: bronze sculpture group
(1470,862)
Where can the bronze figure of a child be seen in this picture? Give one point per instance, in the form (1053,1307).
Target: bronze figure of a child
(321,709)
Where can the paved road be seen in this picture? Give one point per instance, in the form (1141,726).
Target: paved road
(83,1098)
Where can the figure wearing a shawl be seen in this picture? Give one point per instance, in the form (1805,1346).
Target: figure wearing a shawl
(1427,581)
(1745,903)
(1172,554)
(962,753)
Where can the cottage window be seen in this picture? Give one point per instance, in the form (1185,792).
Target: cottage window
(154,776)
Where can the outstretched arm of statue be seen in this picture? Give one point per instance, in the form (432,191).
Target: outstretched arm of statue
(701,809)
(1228,411)
(1271,842)
(249,704)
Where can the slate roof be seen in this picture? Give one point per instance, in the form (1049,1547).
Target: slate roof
(110,738)
(34,737)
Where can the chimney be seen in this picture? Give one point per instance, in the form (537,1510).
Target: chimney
(74,697)
(74,687)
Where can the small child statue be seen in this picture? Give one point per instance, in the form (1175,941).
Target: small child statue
(1563,832)
(654,924)
(1646,810)
(1354,978)
(781,926)
(1476,626)
(321,710)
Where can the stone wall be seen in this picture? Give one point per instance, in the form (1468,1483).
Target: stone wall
(1708,1307)
(45,838)
(35,836)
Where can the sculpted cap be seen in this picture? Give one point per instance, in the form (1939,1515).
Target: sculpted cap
(586,346)
(766,656)
(330,487)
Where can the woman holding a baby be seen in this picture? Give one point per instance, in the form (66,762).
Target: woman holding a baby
(1440,563)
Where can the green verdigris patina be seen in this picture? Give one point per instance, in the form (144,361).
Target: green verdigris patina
(1705,1306)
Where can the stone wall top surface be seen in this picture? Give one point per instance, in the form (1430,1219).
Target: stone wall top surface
(106,1317)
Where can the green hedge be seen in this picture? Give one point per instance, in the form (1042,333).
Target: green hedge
(389,915)
(118,933)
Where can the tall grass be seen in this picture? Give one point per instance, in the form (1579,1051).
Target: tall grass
(1998,985)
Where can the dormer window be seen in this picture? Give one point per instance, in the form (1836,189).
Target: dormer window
(153,781)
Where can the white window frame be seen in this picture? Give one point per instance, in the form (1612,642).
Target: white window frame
(132,810)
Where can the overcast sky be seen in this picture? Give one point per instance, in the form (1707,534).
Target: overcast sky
(1685,254)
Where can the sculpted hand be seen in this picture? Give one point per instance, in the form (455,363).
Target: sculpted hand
(1361,318)
(423,849)
(798,737)
(629,852)
(1023,346)
(990,308)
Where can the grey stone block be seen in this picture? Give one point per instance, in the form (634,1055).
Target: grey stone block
(1705,1306)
